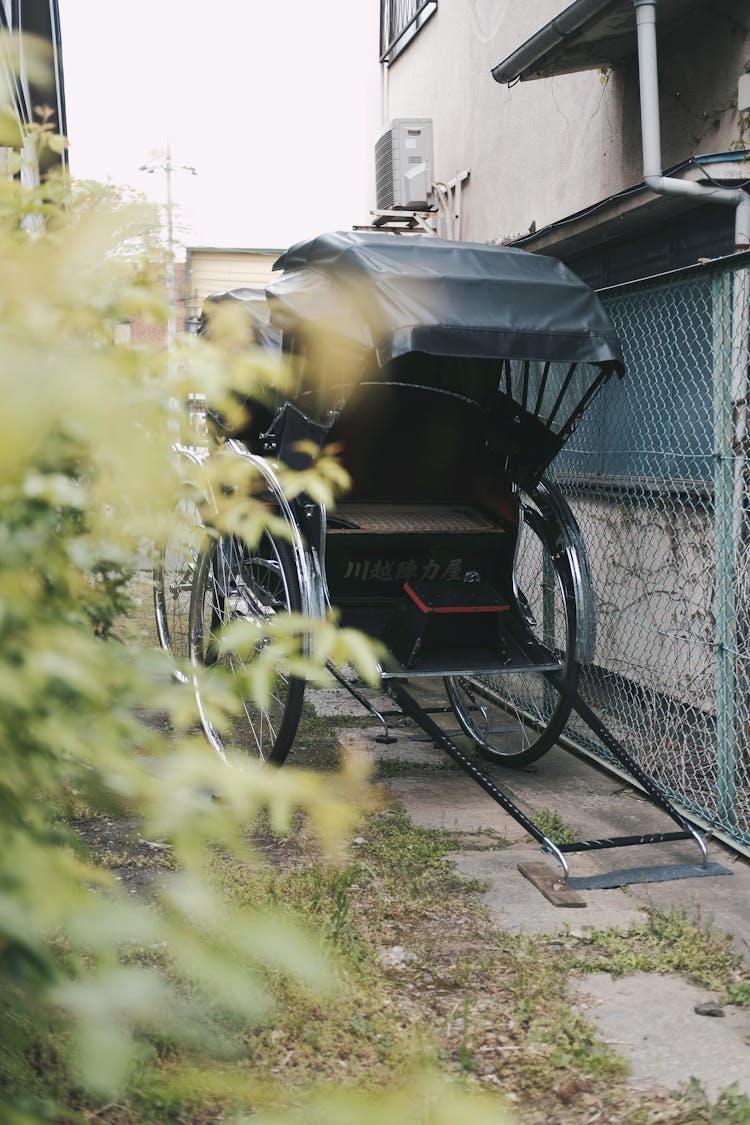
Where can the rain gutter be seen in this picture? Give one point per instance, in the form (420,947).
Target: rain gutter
(645,11)
(621,197)
(556,31)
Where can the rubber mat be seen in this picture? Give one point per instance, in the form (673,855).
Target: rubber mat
(629,875)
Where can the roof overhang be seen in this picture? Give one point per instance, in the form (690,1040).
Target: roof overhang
(633,210)
(593,33)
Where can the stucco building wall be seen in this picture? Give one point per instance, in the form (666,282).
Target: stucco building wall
(543,150)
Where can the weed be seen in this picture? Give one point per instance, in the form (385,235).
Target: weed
(554,827)
(130,861)
(396,767)
(315,743)
(668,942)
(398,845)
(739,993)
(482,840)
(696,1108)
(465,1060)
(335,904)
(732,1108)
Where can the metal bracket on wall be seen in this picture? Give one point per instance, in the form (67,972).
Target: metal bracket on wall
(400,222)
(449,203)
(447,214)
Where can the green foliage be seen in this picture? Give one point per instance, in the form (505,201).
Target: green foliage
(86,483)
(670,942)
(101,989)
(554,827)
(419,1103)
(695,1107)
(739,993)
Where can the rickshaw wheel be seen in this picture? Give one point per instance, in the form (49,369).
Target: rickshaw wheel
(516,717)
(234,582)
(173,573)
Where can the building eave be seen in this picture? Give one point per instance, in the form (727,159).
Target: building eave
(633,209)
(589,34)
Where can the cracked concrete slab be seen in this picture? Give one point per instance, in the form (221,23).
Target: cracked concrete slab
(450,802)
(648,1018)
(651,1021)
(337,702)
(518,907)
(363,742)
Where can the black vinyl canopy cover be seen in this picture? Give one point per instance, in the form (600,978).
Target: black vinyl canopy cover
(382,296)
(254,302)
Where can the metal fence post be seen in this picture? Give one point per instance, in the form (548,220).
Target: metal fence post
(724,547)
(673,449)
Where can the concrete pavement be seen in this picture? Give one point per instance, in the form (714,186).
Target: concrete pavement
(649,1018)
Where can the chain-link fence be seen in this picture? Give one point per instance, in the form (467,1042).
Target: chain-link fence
(658,474)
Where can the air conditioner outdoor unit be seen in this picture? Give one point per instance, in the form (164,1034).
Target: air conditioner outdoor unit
(403,165)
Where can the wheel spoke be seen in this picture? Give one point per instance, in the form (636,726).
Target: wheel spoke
(234,582)
(515,717)
(174,571)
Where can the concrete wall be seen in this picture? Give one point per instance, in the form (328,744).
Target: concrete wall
(653,569)
(545,149)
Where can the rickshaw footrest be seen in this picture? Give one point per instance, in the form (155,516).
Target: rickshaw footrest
(412,709)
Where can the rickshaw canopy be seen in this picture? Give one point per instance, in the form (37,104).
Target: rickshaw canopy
(515,336)
(380,296)
(254,302)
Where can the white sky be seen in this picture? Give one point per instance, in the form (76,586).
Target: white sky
(275,103)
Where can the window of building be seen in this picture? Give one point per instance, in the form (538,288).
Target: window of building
(400,20)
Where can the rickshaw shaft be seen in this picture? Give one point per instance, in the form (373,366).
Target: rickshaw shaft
(381,715)
(595,724)
(411,708)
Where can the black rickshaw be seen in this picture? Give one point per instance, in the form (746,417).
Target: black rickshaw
(448,375)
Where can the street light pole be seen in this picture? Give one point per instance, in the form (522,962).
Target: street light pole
(168,168)
(171,295)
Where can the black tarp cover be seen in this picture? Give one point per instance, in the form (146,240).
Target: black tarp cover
(383,295)
(254,302)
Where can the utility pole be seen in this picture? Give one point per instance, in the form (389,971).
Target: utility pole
(168,168)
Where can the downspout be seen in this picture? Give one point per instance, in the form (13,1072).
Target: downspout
(645,12)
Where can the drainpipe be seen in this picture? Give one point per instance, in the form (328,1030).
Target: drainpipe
(645,12)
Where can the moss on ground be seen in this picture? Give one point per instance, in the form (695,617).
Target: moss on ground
(425,980)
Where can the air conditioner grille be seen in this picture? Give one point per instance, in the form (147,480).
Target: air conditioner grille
(403,165)
(384,172)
